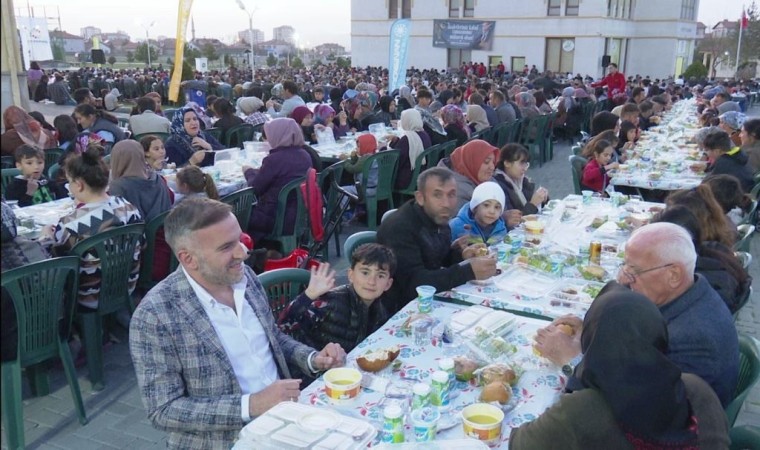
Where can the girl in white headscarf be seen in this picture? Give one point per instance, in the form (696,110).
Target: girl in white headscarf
(411,145)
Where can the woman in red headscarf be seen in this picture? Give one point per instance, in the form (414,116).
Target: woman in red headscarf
(472,164)
(20,129)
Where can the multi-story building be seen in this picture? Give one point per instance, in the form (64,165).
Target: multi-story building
(89,32)
(284,33)
(559,35)
(70,43)
(244,36)
(330,49)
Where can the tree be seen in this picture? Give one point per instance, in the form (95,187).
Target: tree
(343,62)
(130,57)
(271,60)
(210,52)
(111,60)
(58,52)
(169,61)
(191,53)
(296,63)
(696,70)
(722,50)
(141,54)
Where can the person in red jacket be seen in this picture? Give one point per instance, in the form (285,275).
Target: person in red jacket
(615,82)
(595,175)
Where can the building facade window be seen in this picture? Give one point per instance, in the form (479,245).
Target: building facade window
(454,9)
(620,9)
(615,48)
(553,8)
(455,57)
(560,53)
(406,9)
(571,7)
(393,9)
(469,8)
(688,9)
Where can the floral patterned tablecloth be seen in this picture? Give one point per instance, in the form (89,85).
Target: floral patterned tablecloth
(538,388)
(528,284)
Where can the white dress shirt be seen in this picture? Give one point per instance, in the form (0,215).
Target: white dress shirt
(243,338)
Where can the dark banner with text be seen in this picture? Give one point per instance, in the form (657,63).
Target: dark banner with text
(463,34)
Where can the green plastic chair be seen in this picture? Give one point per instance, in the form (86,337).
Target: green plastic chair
(162,136)
(7,162)
(547,144)
(430,156)
(282,286)
(749,374)
(53,171)
(7,176)
(169,113)
(242,202)
(289,242)
(52,156)
(43,295)
(508,132)
(494,137)
(331,199)
(217,133)
(744,437)
(115,248)
(447,148)
(235,136)
(533,136)
(577,163)
(745,235)
(577,150)
(386,173)
(357,239)
(484,134)
(146,280)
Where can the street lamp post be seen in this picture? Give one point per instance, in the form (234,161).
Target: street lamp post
(250,35)
(147,39)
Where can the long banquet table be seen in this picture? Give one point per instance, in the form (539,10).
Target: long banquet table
(665,157)
(538,387)
(547,275)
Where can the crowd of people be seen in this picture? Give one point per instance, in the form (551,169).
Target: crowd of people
(210,356)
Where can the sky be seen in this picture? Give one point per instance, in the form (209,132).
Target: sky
(222,19)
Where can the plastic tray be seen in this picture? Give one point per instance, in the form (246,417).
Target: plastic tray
(290,426)
(526,282)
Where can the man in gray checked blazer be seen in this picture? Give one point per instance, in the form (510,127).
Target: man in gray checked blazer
(205,347)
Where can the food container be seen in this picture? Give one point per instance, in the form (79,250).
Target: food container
(424,423)
(291,425)
(342,383)
(483,421)
(534,227)
(440,389)
(393,424)
(421,396)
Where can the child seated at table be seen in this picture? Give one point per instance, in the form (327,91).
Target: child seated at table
(481,219)
(366,146)
(595,173)
(32,187)
(346,314)
(193,182)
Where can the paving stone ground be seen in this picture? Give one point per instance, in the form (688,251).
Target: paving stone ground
(117,419)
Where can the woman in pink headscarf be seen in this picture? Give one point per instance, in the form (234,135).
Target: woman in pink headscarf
(20,129)
(472,164)
(286,161)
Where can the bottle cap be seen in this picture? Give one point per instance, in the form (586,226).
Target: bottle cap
(393,412)
(421,389)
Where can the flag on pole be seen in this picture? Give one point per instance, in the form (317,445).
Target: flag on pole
(745,19)
(183,14)
(399,34)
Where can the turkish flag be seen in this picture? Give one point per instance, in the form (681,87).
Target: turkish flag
(745,20)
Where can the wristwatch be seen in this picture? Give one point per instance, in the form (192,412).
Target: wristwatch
(569,368)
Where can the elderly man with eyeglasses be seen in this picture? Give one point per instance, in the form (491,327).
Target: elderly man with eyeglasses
(659,263)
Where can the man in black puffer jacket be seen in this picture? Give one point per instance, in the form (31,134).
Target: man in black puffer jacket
(419,235)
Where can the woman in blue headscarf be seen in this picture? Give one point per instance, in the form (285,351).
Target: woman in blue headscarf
(188,144)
